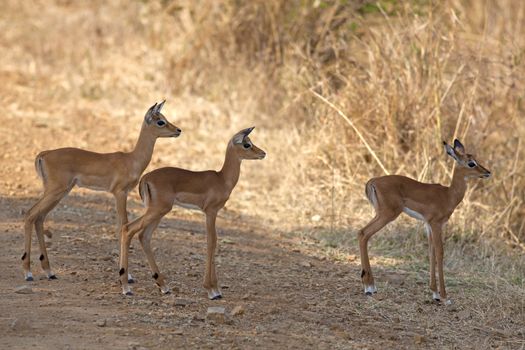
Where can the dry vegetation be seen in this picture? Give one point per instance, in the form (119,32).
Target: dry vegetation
(407,74)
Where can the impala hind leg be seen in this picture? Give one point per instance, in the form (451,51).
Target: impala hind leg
(376,224)
(35,218)
(145,239)
(210,276)
(127,233)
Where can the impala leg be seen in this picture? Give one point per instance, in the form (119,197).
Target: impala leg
(35,217)
(122,213)
(122,217)
(28,231)
(438,251)
(210,276)
(376,224)
(145,239)
(432,263)
(44,260)
(126,234)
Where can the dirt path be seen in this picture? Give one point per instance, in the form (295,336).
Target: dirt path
(291,299)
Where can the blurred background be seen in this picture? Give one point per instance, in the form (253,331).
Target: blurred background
(405,75)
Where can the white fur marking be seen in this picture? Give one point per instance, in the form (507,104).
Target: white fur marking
(129,276)
(29,275)
(126,290)
(428,229)
(186,205)
(436,296)
(414,214)
(373,196)
(214,293)
(79,183)
(370,289)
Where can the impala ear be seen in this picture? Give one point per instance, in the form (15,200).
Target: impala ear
(159,106)
(241,135)
(458,147)
(450,151)
(150,113)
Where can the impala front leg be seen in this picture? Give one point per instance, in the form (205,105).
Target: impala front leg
(122,217)
(438,252)
(125,241)
(210,276)
(122,213)
(432,263)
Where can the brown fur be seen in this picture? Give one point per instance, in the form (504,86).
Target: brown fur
(117,173)
(435,203)
(205,190)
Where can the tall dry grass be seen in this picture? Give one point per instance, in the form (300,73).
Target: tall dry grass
(407,74)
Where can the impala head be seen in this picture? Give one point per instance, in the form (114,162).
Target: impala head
(466,161)
(157,123)
(244,147)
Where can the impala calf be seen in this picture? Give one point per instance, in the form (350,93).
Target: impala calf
(117,173)
(204,190)
(431,203)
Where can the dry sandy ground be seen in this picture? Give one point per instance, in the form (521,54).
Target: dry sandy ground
(293,295)
(290,298)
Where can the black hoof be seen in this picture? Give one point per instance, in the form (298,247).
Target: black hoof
(29,279)
(131,281)
(368,293)
(130,293)
(52,277)
(166,293)
(217,297)
(437,300)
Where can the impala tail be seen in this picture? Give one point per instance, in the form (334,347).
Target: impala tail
(370,192)
(39,165)
(144,192)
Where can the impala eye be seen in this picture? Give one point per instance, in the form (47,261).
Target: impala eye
(161,123)
(247,145)
(471,164)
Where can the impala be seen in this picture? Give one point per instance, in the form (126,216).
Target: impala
(207,191)
(117,173)
(431,203)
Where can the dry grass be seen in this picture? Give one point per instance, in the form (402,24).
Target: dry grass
(407,74)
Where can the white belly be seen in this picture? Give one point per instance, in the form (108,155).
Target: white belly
(186,205)
(188,200)
(414,214)
(91,183)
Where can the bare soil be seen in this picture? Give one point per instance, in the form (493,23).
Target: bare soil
(291,300)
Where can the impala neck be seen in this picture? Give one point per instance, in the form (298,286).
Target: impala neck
(143,149)
(231,168)
(458,187)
